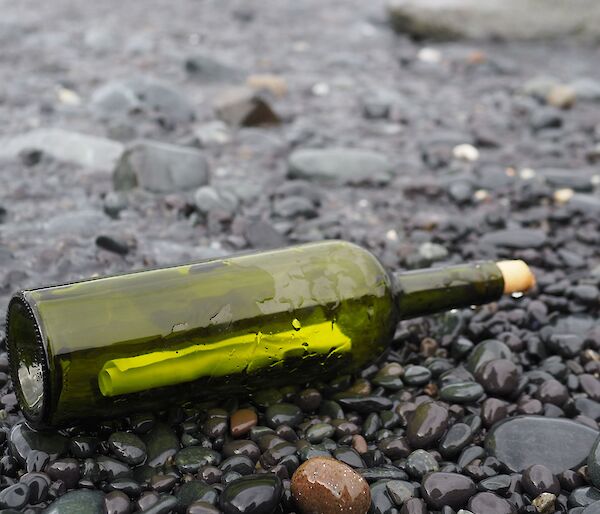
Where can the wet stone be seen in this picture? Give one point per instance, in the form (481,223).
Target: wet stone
(127,447)
(592,508)
(22,440)
(544,503)
(498,377)
(76,502)
(110,468)
(457,437)
(192,458)
(427,425)
(538,479)
(420,463)
(486,351)
(14,497)
(583,496)
(328,486)
(381,499)
(499,484)
(349,456)
(161,443)
(193,491)
(243,447)
(462,392)
(552,391)
(450,489)
(238,463)
(126,485)
(522,441)
(200,507)
(316,433)
(117,503)
(400,491)
(242,421)
(256,494)
(416,375)
(375,473)
(490,503)
(365,404)
(593,463)
(66,470)
(283,414)
(38,486)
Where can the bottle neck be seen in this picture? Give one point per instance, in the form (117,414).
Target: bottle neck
(428,291)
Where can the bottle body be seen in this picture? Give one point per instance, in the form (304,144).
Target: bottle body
(108,346)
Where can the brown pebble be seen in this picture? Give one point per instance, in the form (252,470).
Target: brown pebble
(242,421)
(428,347)
(359,444)
(326,486)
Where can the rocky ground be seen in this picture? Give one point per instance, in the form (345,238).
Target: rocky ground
(153,133)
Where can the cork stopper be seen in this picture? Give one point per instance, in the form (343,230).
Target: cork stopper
(517,276)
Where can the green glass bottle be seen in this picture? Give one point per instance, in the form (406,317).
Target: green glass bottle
(110,346)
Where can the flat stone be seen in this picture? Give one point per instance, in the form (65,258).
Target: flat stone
(451,489)
(160,168)
(254,494)
(342,166)
(492,19)
(84,150)
(77,502)
(557,443)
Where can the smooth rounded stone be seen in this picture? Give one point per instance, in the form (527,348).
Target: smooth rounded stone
(126,485)
(283,414)
(78,502)
(162,483)
(37,461)
(498,377)
(387,471)
(365,404)
(457,437)
(66,470)
(593,463)
(450,489)
(127,447)
(242,421)
(256,494)
(583,496)
(201,507)
(192,458)
(340,166)
(558,444)
(83,447)
(400,491)
(209,198)
(492,411)
(309,399)
(242,447)
(193,491)
(419,463)
(328,486)
(538,479)
(416,375)
(499,484)
(552,391)
(161,444)
(381,499)
(348,456)
(14,497)
(469,454)
(414,506)
(462,392)
(22,440)
(239,463)
(591,385)
(592,508)
(110,468)
(427,425)
(394,447)
(319,431)
(164,505)
(117,502)
(146,500)
(487,351)
(39,484)
(490,503)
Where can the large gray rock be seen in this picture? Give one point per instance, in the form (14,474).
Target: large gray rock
(160,168)
(340,166)
(505,19)
(88,151)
